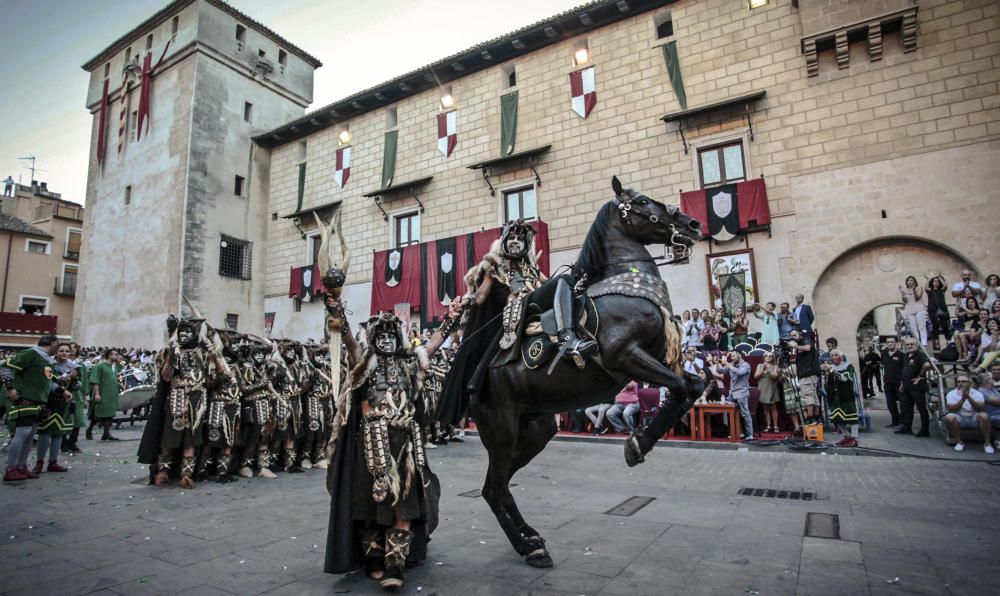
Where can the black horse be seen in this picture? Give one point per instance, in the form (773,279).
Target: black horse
(514,411)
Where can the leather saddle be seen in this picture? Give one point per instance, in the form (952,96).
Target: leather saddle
(538,343)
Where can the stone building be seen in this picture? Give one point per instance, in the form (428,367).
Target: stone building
(40,243)
(169,207)
(872,126)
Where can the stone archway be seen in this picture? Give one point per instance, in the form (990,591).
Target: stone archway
(869,275)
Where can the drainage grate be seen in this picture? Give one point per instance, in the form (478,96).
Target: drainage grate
(475,494)
(823,525)
(629,506)
(770,493)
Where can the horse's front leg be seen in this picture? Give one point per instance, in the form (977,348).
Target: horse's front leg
(641,366)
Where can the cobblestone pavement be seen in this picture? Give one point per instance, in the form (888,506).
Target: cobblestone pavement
(931,524)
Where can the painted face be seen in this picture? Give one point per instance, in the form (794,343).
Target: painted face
(258,357)
(185,336)
(514,246)
(386,343)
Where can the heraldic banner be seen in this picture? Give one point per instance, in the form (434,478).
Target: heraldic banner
(728,209)
(429,275)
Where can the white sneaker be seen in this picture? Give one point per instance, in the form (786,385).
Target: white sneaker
(960,447)
(306,464)
(266,473)
(246,472)
(429,445)
(989,449)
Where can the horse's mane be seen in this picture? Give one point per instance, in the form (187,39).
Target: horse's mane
(593,254)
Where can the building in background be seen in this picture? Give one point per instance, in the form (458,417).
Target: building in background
(175,102)
(837,146)
(40,243)
(833,147)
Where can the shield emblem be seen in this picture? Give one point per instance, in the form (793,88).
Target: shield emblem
(395,258)
(447,260)
(307,278)
(722,204)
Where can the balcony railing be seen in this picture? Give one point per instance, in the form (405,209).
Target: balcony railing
(14,322)
(65,286)
(72,255)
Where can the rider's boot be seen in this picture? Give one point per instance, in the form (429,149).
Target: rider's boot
(571,345)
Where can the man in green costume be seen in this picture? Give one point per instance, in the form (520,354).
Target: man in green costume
(104,379)
(27,376)
(80,395)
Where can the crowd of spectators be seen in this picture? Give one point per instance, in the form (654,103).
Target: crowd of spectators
(53,389)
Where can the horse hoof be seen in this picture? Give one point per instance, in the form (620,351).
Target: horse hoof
(633,453)
(541,560)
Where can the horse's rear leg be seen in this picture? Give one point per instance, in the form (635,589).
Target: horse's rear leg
(534,434)
(641,366)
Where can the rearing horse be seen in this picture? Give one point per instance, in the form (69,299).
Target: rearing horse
(514,411)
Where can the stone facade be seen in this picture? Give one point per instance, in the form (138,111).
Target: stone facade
(158,211)
(909,134)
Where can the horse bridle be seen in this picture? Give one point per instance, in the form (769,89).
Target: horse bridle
(675,251)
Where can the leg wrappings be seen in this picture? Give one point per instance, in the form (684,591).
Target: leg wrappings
(397,547)
(187,467)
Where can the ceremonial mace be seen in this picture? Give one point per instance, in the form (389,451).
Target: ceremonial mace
(333,277)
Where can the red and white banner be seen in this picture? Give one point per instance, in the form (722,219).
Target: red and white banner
(447,132)
(123,112)
(145,87)
(343,170)
(102,126)
(583,91)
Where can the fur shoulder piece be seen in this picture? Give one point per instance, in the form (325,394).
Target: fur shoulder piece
(364,368)
(490,263)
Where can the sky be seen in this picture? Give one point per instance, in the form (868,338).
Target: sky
(360,43)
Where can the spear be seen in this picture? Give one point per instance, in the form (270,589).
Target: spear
(333,278)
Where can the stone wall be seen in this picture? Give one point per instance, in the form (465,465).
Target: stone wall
(941,97)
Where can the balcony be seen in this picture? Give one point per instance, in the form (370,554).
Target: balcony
(65,286)
(13,322)
(61,210)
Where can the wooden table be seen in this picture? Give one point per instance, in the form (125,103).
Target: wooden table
(703,432)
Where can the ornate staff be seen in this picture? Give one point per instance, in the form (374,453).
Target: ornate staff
(333,278)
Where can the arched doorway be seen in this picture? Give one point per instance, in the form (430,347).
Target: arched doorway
(868,276)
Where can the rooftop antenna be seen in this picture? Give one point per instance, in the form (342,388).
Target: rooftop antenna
(32,167)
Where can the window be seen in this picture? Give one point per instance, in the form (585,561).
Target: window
(721,164)
(241,37)
(664,24)
(66,286)
(128,196)
(74,239)
(282,59)
(752,4)
(520,204)
(391,118)
(509,76)
(232,320)
(149,41)
(133,121)
(39,247)
(235,257)
(247,111)
(313,244)
(407,229)
(173,26)
(34,304)
(302,150)
(261,53)
(107,70)
(128,55)
(238,186)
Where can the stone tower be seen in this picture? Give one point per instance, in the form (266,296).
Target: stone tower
(172,207)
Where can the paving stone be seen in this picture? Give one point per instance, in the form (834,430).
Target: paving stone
(900,517)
